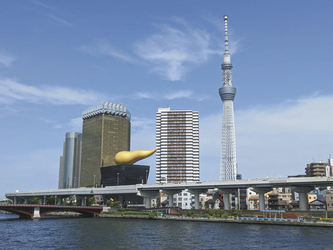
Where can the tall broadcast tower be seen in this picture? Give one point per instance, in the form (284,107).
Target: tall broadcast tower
(228,168)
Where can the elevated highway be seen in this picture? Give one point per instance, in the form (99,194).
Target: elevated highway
(302,185)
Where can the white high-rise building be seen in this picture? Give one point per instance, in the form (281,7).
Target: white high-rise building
(228,168)
(177,137)
(70,161)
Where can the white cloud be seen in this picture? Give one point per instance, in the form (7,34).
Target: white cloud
(188,94)
(171,52)
(139,123)
(5,59)
(102,47)
(60,20)
(179,94)
(11,91)
(144,95)
(75,124)
(272,141)
(42,5)
(175,50)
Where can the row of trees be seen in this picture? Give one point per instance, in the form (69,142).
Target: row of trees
(218,213)
(72,201)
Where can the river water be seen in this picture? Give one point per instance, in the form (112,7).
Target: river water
(111,233)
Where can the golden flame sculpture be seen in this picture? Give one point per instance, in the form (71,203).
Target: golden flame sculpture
(130,157)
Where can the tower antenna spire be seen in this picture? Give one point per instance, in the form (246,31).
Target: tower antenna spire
(226,33)
(226,66)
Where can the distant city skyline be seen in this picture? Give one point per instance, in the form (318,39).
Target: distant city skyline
(58,58)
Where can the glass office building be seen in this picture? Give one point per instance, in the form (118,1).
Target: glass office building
(106,131)
(70,161)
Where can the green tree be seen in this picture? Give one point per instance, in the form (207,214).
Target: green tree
(189,213)
(51,200)
(112,203)
(78,201)
(91,201)
(72,200)
(34,200)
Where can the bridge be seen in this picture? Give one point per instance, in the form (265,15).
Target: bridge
(301,185)
(36,211)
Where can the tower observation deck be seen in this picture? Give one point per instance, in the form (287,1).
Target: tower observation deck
(228,167)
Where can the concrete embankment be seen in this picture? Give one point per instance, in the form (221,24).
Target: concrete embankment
(270,221)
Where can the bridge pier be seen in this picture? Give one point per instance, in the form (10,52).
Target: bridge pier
(84,201)
(303,200)
(147,195)
(36,213)
(170,194)
(196,193)
(261,192)
(59,201)
(226,197)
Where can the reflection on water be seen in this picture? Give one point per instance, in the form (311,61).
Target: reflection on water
(110,233)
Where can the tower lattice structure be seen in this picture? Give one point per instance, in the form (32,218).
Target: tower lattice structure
(228,167)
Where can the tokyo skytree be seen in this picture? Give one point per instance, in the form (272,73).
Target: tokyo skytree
(228,167)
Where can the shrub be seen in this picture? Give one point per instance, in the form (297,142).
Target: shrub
(225,216)
(189,213)
(326,219)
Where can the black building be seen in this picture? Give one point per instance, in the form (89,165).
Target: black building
(125,174)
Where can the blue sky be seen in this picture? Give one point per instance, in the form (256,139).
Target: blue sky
(59,57)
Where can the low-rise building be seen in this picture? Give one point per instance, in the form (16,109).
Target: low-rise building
(184,200)
(311,197)
(317,169)
(206,200)
(161,200)
(329,201)
(318,205)
(278,201)
(253,203)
